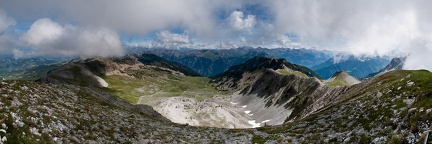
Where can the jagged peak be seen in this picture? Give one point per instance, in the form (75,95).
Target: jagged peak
(395,64)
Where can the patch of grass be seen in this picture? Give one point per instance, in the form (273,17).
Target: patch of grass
(258,140)
(151,88)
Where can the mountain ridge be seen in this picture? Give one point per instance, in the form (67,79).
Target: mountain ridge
(210,62)
(235,73)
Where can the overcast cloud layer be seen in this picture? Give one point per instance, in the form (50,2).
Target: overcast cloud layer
(87,28)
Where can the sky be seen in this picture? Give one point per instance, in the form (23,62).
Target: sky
(107,27)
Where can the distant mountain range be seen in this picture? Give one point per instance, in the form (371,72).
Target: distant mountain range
(210,62)
(26,68)
(357,67)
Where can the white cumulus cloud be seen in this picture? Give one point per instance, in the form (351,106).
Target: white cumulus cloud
(165,36)
(240,23)
(5,22)
(168,39)
(46,37)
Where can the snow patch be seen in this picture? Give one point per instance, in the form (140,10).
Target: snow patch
(233,103)
(254,125)
(101,81)
(265,121)
(244,106)
(248,113)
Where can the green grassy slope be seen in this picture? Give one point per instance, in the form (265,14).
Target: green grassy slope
(159,84)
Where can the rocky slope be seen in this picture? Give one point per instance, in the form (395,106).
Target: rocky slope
(281,98)
(392,108)
(47,113)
